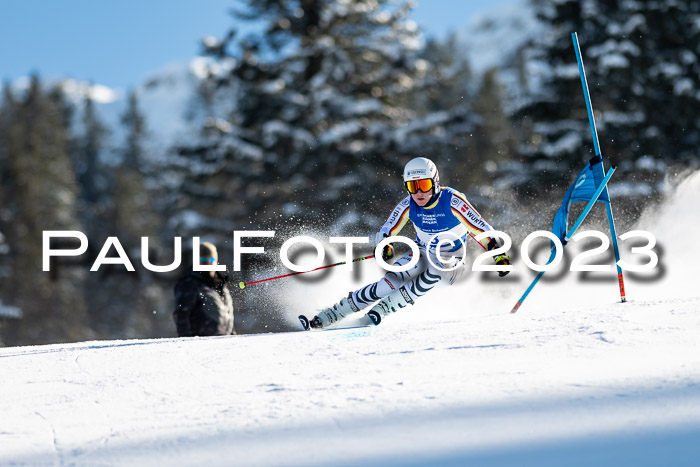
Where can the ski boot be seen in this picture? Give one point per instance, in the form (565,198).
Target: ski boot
(389,304)
(346,306)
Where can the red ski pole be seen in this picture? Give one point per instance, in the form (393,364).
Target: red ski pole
(242,285)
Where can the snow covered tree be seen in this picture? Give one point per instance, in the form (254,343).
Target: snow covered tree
(643,72)
(314,108)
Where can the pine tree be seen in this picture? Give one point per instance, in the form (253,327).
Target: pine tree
(132,214)
(7,109)
(127,310)
(643,73)
(496,139)
(92,145)
(41,191)
(451,79)
(446,100)
(314,110)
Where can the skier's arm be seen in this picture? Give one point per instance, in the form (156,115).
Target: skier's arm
(393,225)
(470,218)
(475,225)
(396,220)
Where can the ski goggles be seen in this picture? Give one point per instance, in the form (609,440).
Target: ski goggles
(424,185)
(207,259)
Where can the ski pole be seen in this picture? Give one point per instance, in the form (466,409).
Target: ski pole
(596,146)
(242,285)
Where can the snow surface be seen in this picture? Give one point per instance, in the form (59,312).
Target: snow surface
(572,385)
(573,378)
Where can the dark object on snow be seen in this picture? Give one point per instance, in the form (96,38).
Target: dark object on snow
(203,305)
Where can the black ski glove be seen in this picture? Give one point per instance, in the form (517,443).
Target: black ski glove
(388,250)
(501,260)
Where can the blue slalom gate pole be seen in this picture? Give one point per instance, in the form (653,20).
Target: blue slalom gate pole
(569,234)
(596,146)
(529,289)
(586,95)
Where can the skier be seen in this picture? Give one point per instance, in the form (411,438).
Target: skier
(437,214)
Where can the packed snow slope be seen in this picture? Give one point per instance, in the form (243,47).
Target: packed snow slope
(571,385)
(573,378)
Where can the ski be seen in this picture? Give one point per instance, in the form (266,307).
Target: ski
(373,315)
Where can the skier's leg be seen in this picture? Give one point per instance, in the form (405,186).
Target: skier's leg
(346,306)
(388,284)
(408,293)
(365,296)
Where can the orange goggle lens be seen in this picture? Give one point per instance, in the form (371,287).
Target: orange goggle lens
(424,185)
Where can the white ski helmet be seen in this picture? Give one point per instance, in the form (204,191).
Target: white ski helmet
(422,168)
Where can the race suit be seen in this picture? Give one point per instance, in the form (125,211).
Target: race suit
(451,218)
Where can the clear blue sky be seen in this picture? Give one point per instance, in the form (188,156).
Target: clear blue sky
(118,43)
